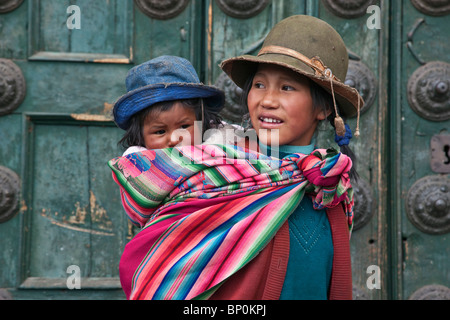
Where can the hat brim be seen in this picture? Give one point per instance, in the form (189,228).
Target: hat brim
(239,68)
(144,97)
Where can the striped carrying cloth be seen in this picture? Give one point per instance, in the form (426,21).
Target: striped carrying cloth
(213,208)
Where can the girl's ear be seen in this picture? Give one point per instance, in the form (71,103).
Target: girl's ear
(322,115)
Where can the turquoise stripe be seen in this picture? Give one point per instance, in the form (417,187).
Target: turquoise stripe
(209,249)
(329,164)
(136,211)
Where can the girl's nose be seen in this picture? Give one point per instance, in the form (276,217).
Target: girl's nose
(270,100)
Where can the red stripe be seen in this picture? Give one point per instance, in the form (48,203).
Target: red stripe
(232,249)
(341,277)
(163,260)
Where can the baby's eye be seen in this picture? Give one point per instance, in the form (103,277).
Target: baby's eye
(160,132)
(185,126)
(258,85)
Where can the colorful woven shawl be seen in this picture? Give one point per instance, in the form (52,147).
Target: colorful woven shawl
(202,243)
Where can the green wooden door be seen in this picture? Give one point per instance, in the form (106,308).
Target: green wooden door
(420,140)
(400,246)
(63,64)
(60,212)
(367,72)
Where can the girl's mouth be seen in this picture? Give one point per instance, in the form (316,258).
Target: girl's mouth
(269,122)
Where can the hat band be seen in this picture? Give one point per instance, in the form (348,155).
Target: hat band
(315,63)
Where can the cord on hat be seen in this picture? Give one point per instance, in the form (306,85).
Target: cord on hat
(359,112)
(338,121)
(203,114)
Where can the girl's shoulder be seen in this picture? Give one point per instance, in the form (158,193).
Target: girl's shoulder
(223,133)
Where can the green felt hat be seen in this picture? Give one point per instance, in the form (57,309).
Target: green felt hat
(306,45)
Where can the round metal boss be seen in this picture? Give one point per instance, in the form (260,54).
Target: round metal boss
(431,292)
(232,110)
(429,91)
(363,203)
(348,9)
(242,9)
(360,77)
(9,194)
(161,9)
(9,5)
(432,7)
(12,86)
(428,204)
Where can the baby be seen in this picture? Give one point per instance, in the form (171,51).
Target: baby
(166,105)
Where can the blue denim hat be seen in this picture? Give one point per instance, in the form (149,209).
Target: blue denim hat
(163,79)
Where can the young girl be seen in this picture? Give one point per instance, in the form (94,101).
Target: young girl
(293,83)
(263,228)
(289,87)
(164,103)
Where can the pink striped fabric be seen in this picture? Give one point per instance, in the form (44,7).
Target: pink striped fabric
(206,244)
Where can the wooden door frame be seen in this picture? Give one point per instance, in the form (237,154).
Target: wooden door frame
(394,148)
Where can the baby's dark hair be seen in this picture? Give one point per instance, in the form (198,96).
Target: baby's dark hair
(133,135)
(321,99)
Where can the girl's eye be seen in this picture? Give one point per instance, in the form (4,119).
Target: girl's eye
(288,88)
(185,126)
(160,132)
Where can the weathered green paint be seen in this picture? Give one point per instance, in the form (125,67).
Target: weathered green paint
(59,139)
(369,243)
(421,259)
(231,37)
(105,31)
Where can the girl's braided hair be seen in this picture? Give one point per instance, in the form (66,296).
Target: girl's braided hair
(322,99)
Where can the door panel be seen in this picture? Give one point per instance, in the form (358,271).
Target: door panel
(97,31)
(367,73)
(71,217)
(69,214)
(60,137)
(232,36)
(181,35)
(421,202)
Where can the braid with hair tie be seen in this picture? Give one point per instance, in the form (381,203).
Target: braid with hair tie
(344,140)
